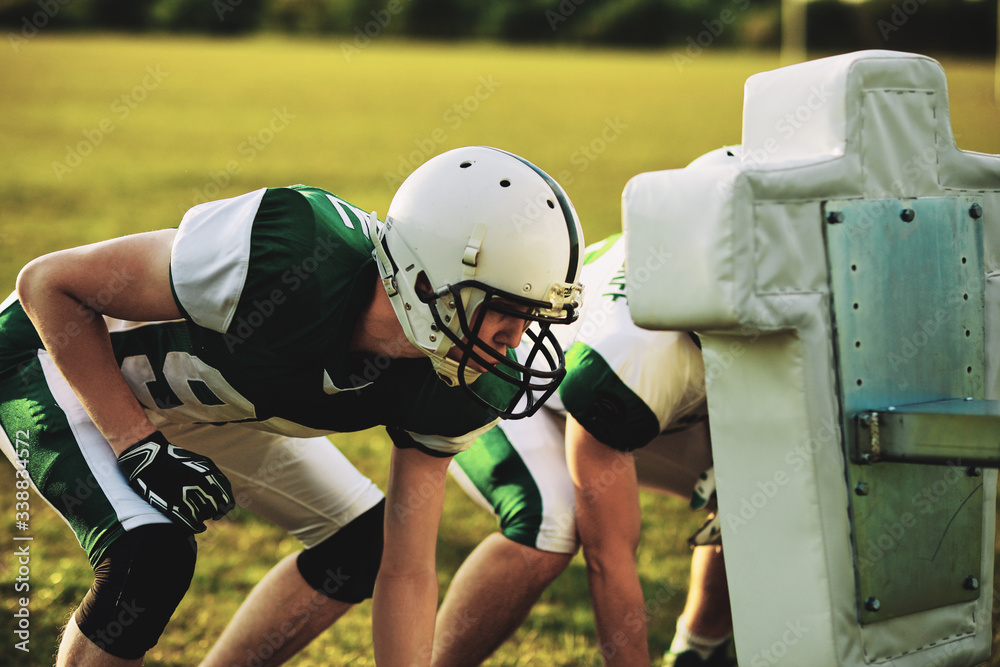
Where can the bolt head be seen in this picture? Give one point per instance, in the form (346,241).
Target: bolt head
(907,215)
(976,211)
(970,583)
(861,488)
(834,217)
(873,604)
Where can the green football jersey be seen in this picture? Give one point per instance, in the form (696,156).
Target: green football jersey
(271,285)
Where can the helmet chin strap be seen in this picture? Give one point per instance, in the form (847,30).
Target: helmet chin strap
(447,370)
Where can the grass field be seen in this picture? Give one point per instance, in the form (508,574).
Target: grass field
(102,136)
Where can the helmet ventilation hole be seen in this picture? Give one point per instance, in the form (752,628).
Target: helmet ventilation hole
(505,183)
(465,165)
(550,203)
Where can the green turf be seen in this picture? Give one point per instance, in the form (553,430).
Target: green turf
(102,136)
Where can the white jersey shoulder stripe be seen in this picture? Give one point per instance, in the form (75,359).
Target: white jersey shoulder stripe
(211,256)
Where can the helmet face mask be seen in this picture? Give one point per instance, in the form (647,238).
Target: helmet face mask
(475,231)
(544,364)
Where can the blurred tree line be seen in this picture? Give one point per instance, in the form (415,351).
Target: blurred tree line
(964,26)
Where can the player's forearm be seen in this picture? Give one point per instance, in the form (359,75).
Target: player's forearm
(619,609)
(403,613)
(405,601)
(77,340)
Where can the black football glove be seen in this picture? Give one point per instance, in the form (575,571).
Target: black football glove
(187,487)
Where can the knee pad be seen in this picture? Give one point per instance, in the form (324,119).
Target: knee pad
(137,585)
(343,566)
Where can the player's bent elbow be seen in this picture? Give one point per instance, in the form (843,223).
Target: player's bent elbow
(31,279)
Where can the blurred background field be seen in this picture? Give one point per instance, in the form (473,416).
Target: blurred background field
(107,134)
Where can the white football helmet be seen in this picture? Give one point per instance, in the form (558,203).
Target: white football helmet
(482,229)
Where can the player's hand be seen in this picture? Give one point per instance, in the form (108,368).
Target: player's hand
(187,487)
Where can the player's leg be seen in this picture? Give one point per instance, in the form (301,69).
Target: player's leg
(489,598)
(143,563)
(671,465)
(138,584)
(672,462)
(307,487)
(706,624)
(76,649)
(518,471)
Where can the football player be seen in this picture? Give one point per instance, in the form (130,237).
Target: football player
(631,412)
(178,372)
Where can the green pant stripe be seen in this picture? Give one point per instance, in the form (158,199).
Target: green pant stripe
(499,473)
(37,426)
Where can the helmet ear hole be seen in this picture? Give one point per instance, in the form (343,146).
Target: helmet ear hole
(423,287)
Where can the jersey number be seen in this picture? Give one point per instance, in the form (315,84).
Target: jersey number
(188,385)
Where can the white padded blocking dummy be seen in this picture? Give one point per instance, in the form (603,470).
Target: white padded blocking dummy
(749,271)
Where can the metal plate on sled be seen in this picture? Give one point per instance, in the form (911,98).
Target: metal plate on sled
(958,429)
(907,292)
